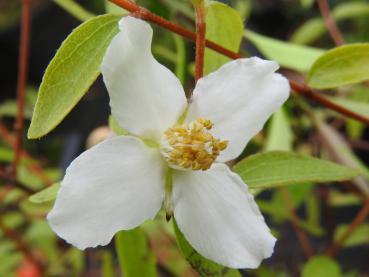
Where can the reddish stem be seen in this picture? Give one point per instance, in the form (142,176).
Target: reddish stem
(359,219)
(301,235)
(22,79)
(309,93)
(21,245)
(330,22)
(301,89)
(200,40)
(33,166)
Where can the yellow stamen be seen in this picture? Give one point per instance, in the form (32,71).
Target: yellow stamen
(191,145)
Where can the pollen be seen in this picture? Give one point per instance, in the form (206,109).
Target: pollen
(191,145)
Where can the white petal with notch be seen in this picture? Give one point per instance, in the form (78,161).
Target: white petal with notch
(145,97)
(219,217)
(115,185)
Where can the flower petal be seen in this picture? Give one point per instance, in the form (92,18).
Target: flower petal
(239,98)
(145,97)
(220,218)
(116,185)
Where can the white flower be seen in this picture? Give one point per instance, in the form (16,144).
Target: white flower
(120,183)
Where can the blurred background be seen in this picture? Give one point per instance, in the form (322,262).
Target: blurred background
(27,245)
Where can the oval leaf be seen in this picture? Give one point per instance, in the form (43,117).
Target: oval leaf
(345,65)
(225,27)
(202,265)
(45,195)
(321,266)
(289,55)
(72,71)
(278,168)
(134,254)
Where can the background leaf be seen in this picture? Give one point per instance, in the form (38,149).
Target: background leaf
(321,266)
(72,71)
(45,195)
(134,253)
(287,54)
(345,65)
(278,168)
(225,27)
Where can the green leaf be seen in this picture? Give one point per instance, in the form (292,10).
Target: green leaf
(315,28)
(280,135)
(358,237)
(74,9)
(289,55)
(202,265)
(45,195)
(277,168)
(134,254)
(345,65)
(225,27)
(321,266)
(72,71)
(107,264)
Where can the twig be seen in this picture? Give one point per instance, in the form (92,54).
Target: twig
(22,79)
(330,22)
(200,38)
(301,236)
(8,177)
(360,217)
(310,94)
(300,89)
(21,245)
(34,166)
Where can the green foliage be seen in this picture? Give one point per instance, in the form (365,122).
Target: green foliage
(134,253)
(72,71)
(202,265)
(225,27)
(277,168)
(315,28)
(321,266)
(45,195)
(358,237)
(75,9)
(280,135)
(345,65)
(288,55)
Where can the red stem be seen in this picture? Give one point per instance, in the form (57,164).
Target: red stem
(200,40)
(359,219)
(301,235)
(330,23)
(22,79)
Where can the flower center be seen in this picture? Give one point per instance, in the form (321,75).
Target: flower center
(191,145)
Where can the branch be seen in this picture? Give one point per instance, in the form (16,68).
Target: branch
(22,79)
(360,217)
(301,236)
(200,38)
(21,245)
(300,89)
(330,23)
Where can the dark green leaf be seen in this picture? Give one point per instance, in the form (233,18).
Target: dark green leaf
(277,168)
(72,71)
